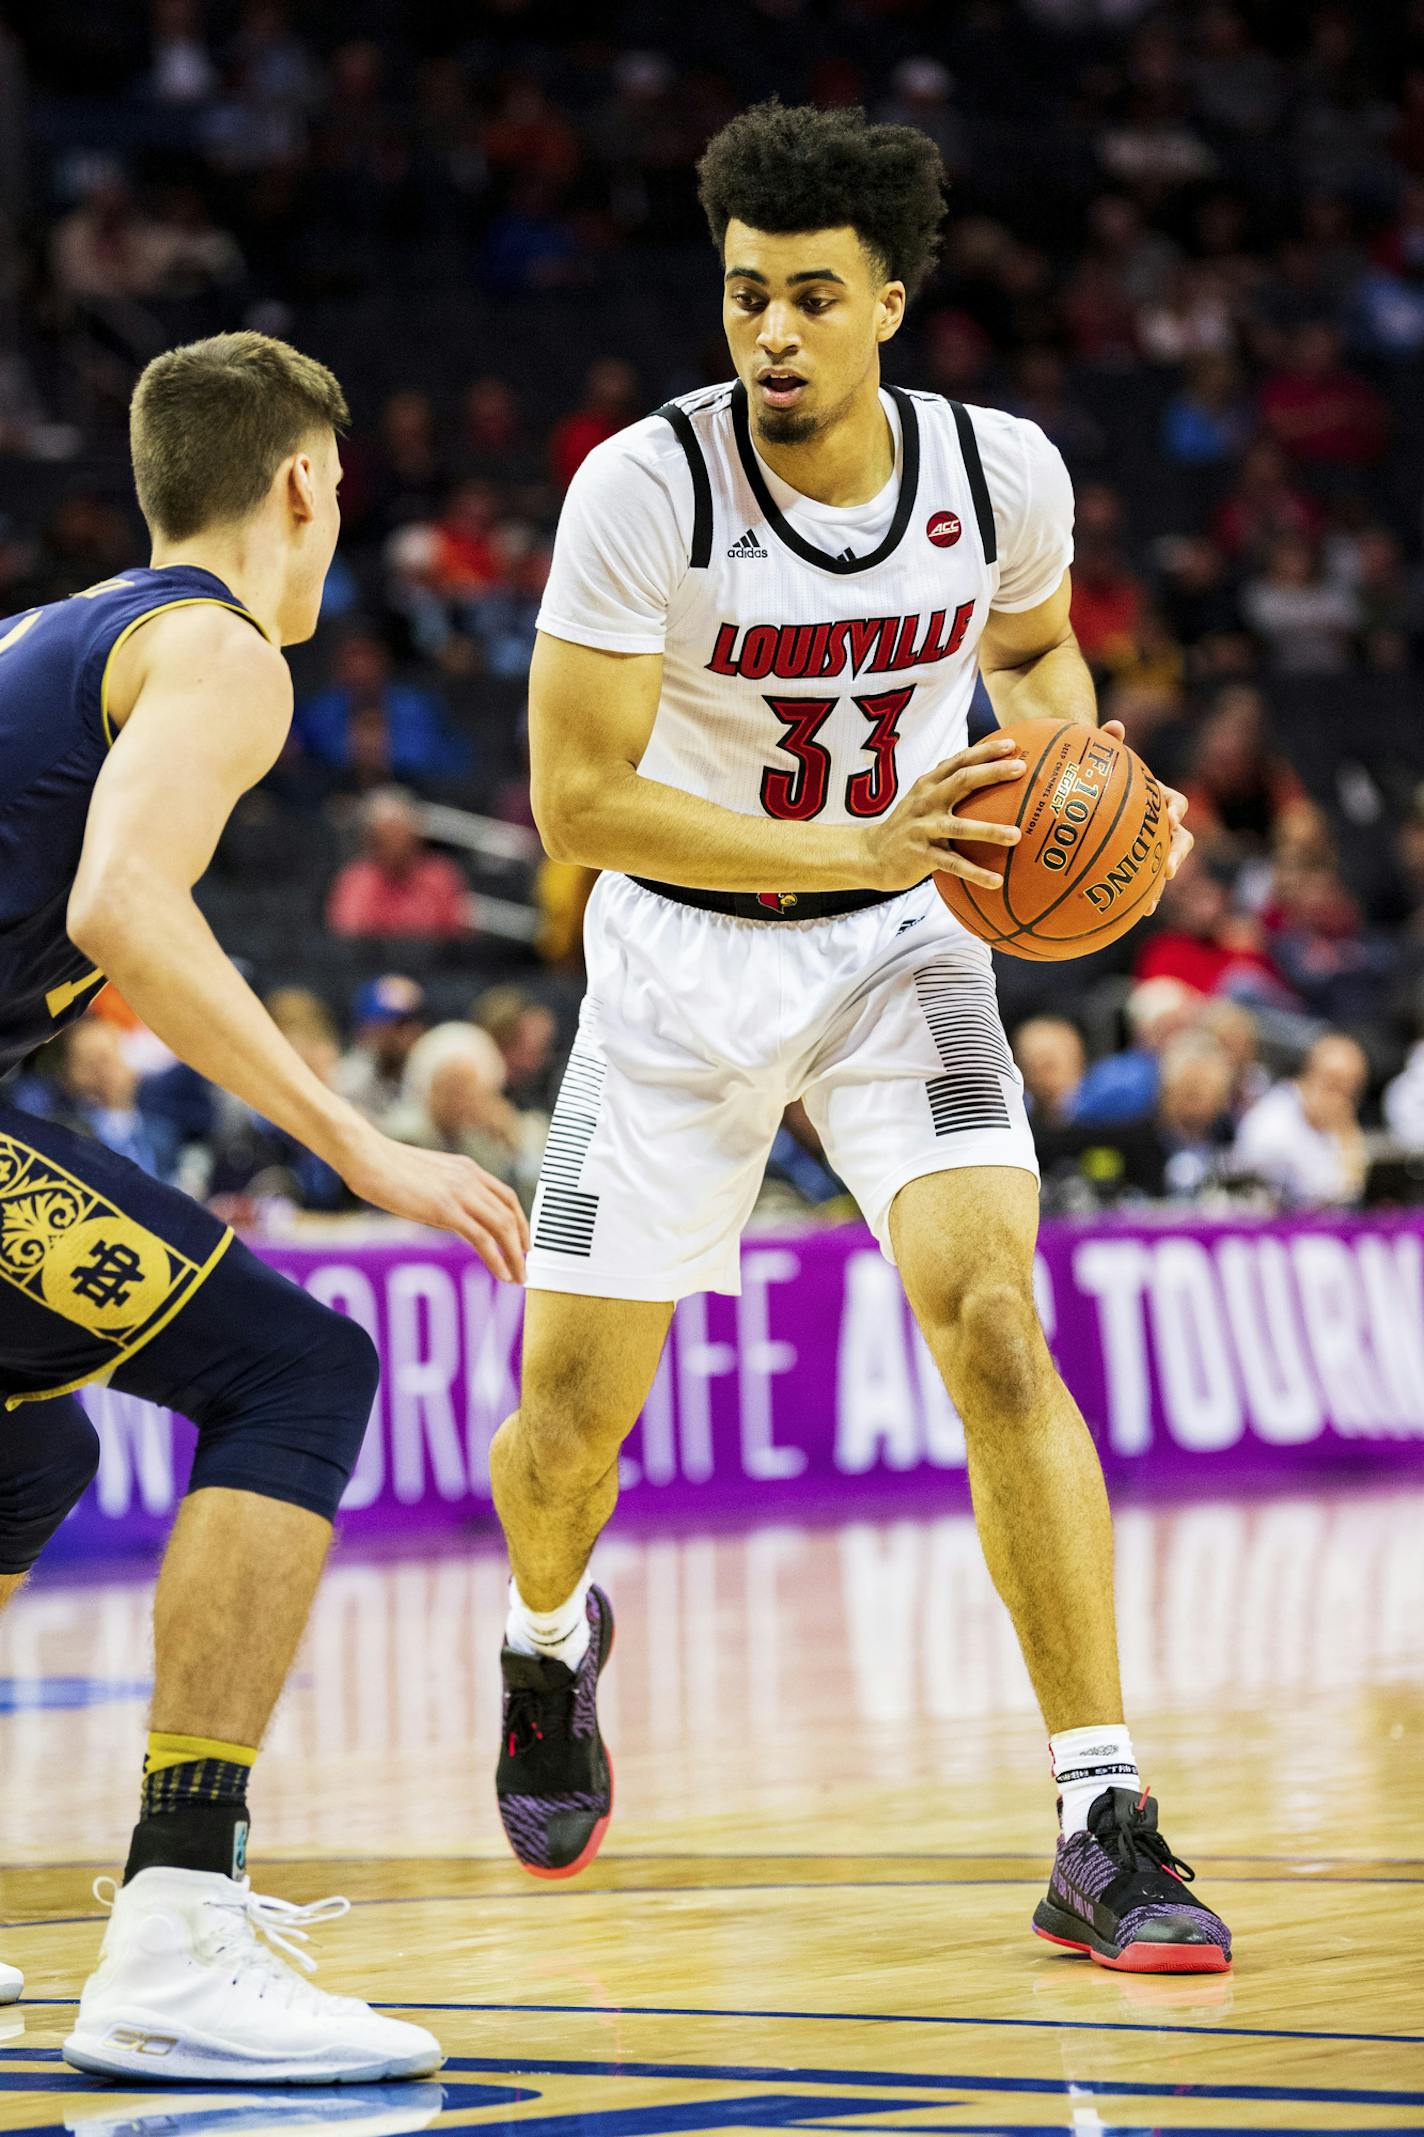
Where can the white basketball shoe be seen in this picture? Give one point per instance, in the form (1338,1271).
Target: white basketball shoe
(12,1981)
(185,1988)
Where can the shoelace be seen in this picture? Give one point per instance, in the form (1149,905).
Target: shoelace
(1142,1847)
(528,1713)
(282,1922)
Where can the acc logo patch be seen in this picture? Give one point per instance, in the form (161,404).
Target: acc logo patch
(944,529)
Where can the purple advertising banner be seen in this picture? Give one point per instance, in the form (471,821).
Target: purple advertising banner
(1201,1353)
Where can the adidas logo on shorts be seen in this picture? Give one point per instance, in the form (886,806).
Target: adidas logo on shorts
(747,546)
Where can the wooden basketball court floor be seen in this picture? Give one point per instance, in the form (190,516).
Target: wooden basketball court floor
(833,1821)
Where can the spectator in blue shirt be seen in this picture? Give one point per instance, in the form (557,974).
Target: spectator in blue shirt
(96,1091)
(1124,1086)
(367,728)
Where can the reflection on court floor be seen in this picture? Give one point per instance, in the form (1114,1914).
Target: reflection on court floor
(833,1820)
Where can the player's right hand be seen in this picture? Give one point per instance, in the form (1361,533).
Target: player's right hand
(453,1193)
(915,838)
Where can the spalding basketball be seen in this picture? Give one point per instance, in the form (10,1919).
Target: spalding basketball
(1095,841)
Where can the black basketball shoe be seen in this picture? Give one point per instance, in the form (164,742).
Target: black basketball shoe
(1117,1893)
(555,1779)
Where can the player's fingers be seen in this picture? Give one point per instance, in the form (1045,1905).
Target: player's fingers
(969,827)
(485,1245)
(971,777)
(951,863)
(1182,844)
(506,1231)
(489,1249)
(505,1194)
(987,750)
(1114,728)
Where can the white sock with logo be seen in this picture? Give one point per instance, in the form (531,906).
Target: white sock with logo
(559,1635)
(1085,1762)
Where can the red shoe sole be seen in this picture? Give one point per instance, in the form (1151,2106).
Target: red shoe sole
(1150,1958)
(590,1847)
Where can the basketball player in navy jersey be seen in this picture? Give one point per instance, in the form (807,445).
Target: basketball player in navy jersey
(768,607)
(132,718)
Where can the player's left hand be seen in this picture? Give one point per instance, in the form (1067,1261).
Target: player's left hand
(1182,839)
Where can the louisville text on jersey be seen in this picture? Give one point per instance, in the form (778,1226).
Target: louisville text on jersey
(866,645)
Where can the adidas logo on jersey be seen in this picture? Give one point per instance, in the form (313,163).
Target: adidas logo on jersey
(748,546)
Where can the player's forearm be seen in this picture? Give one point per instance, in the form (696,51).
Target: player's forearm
(618,820)
(150,939)
(1057,685)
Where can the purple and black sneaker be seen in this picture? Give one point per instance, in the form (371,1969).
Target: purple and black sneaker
(555,1779)
(1118,1893)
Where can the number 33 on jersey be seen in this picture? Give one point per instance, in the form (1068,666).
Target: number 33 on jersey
(817,660)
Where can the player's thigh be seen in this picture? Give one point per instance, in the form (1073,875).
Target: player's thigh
(914,1078)
(588,1364)
(96,1258)
(668,1109)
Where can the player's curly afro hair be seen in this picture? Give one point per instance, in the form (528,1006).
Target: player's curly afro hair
(784,167)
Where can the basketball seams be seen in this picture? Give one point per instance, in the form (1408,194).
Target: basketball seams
(1025,798)
(1090,860)
(1021,937)
(1087,935)
(967,889)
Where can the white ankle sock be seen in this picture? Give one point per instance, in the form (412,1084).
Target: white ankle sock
(556,1635)
(1085,1762)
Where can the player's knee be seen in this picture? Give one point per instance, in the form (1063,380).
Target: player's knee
(998,1360)
(293,1430)
(47,1464)
(571,1434)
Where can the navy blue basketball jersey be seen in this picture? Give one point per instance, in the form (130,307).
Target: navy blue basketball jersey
(55,732)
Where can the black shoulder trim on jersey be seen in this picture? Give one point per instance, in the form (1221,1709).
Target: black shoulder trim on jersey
(700,553)
(782,527)
(979,488)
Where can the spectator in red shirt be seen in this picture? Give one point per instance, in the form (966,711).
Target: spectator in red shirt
(1323,415)
(1239,787)
(467,559)
(1206,945)
(1108,598)
(610,403)
(1265,504)
(396,886)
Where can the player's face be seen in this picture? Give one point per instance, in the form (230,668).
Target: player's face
(805,314)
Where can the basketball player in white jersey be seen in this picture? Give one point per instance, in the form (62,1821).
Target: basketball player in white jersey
(768,606)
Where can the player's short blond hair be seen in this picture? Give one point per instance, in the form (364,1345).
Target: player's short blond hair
(210,424)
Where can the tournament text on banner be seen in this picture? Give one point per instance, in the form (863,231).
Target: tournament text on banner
(1211,1353)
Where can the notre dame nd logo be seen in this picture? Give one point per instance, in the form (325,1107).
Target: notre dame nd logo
(107,1273)
(72,1251)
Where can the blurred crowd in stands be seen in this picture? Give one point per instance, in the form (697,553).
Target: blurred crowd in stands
(1187,239)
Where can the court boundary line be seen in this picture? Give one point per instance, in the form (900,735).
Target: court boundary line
(868,2018)
(616,1892)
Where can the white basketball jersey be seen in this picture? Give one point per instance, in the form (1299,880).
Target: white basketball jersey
(811,686)
(800,680)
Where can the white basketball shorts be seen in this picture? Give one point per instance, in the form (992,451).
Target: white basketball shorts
(698,1030)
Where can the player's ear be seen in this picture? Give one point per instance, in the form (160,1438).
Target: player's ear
(891,310)
(301,487)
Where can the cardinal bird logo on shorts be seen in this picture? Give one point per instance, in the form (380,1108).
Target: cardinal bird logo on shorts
(944,529)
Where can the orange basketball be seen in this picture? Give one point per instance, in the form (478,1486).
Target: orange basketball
(1095,842)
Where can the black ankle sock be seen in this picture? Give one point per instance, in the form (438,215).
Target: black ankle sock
(200,1836)
(194,1817)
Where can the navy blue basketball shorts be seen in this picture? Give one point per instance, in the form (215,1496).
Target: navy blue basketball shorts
(97,1260)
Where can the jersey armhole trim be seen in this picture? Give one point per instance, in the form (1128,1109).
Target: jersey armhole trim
(978,487)
(163,608)
(700,552)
